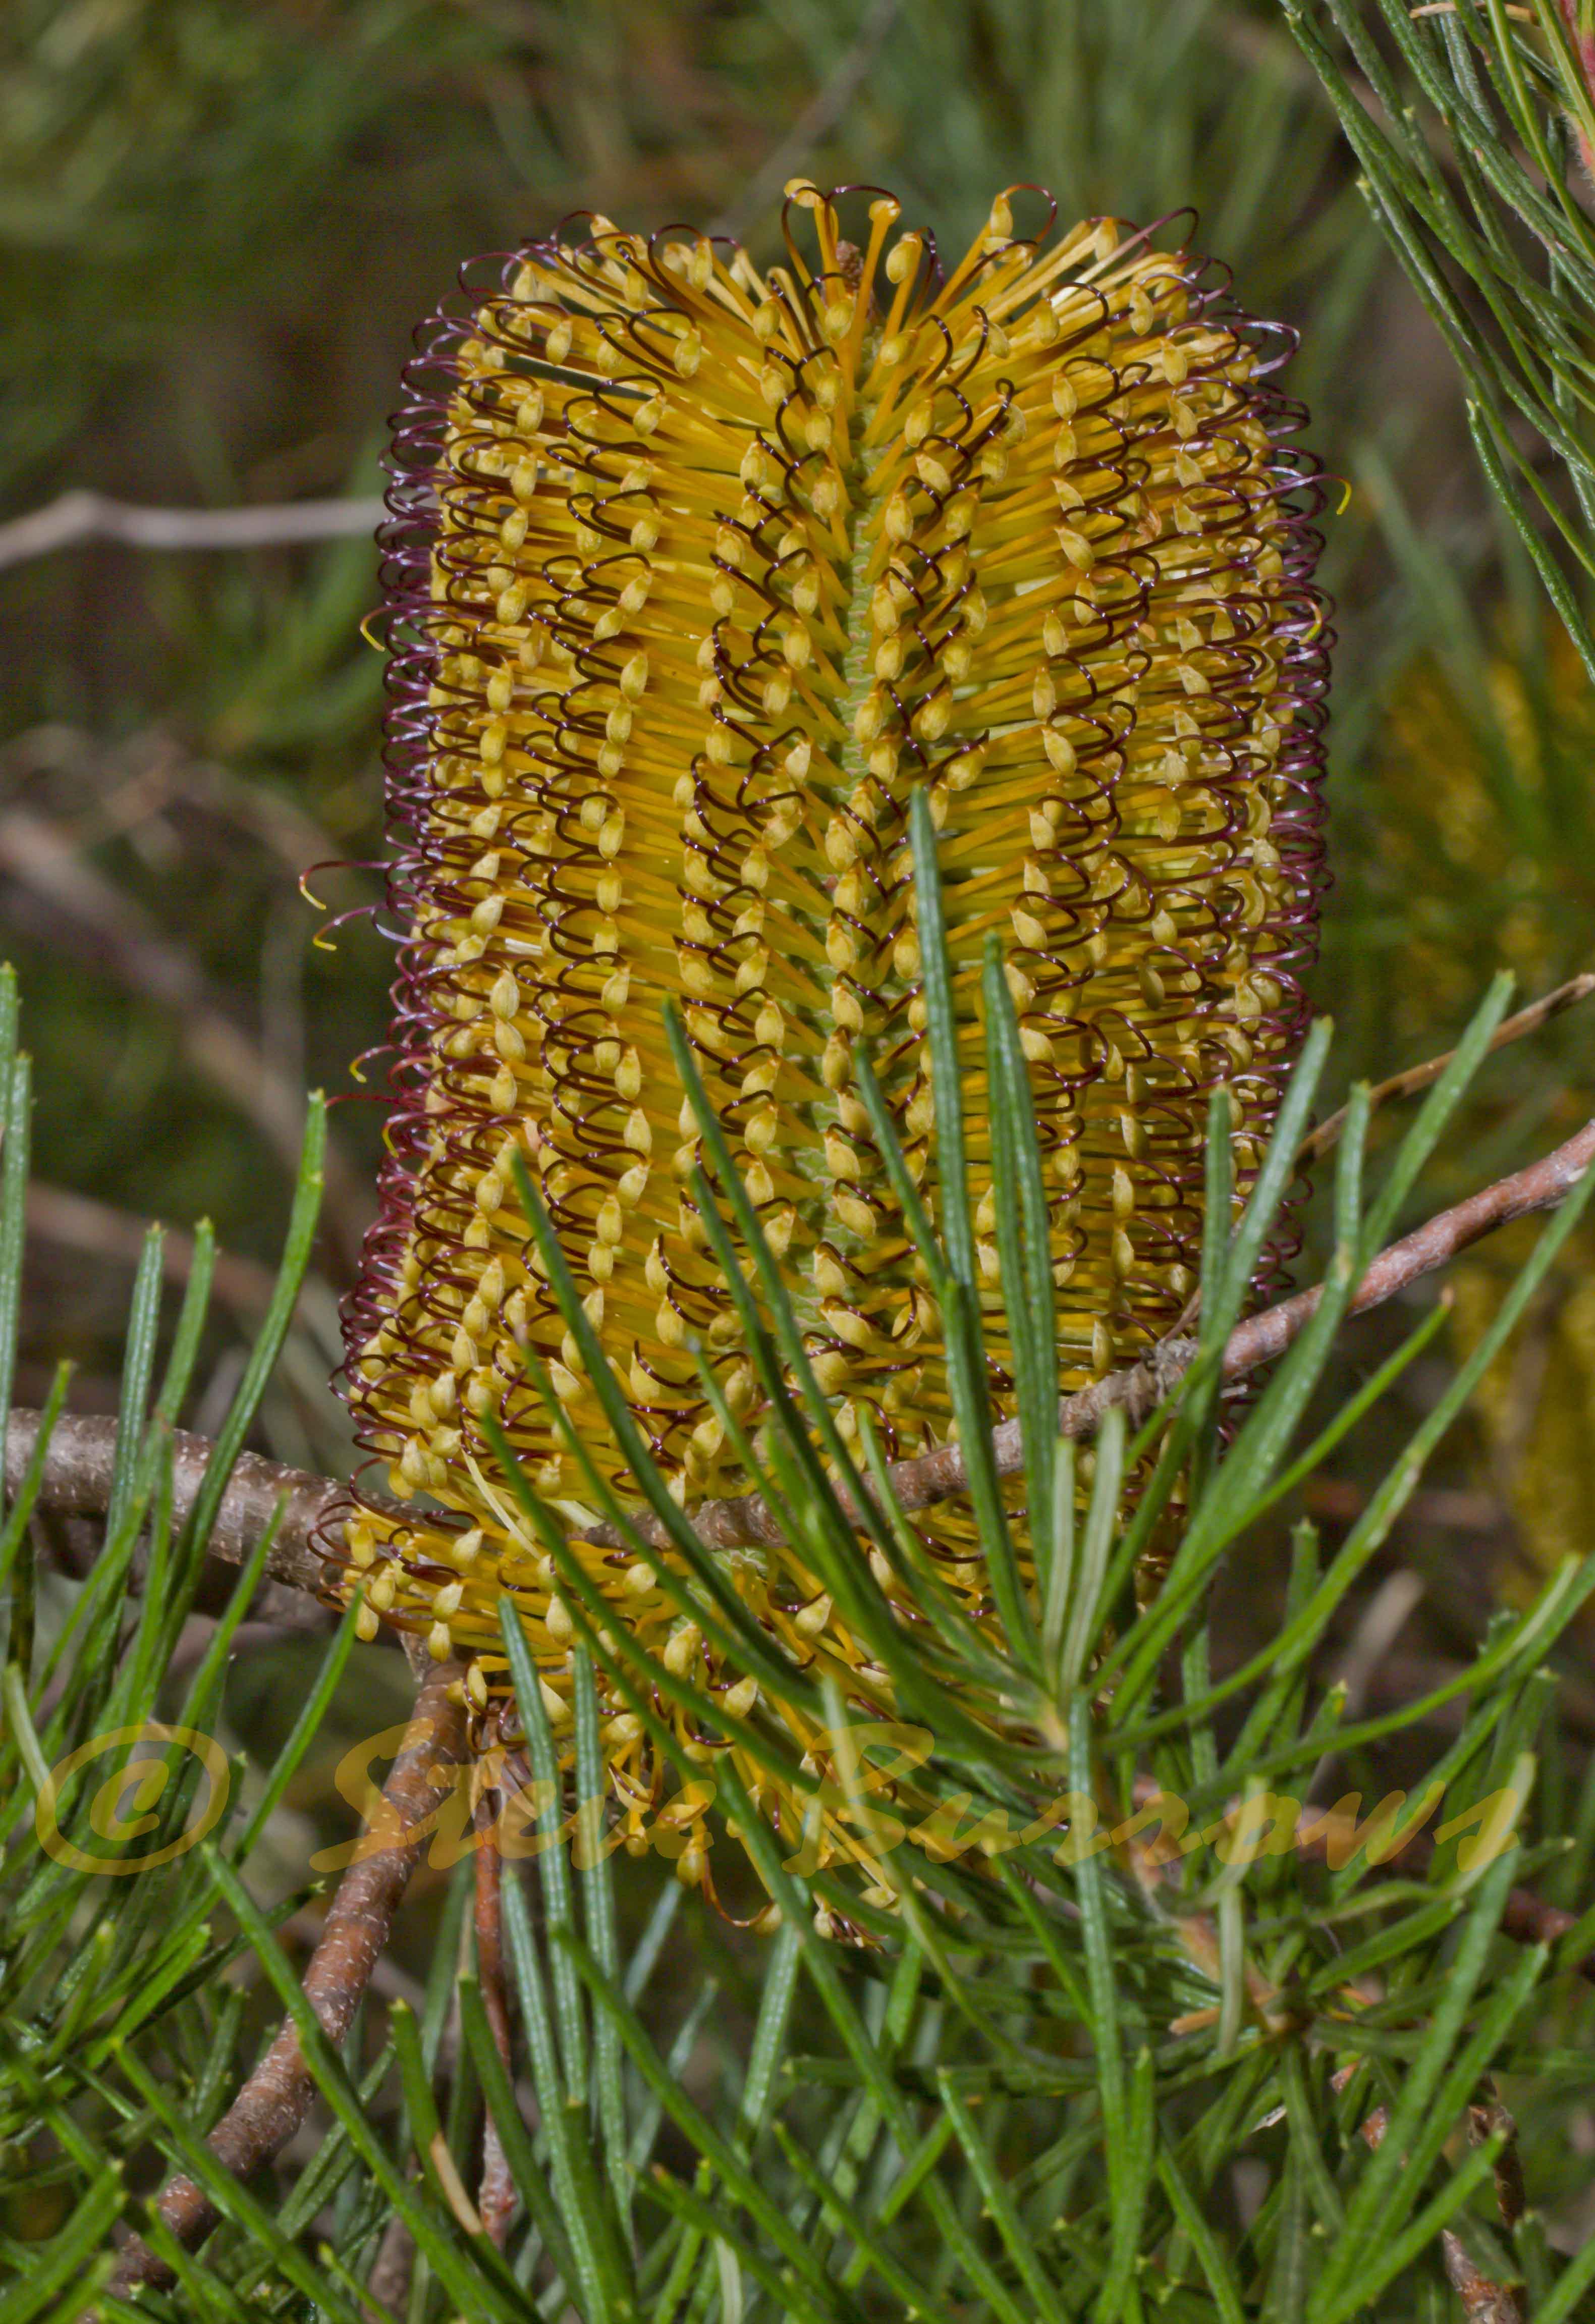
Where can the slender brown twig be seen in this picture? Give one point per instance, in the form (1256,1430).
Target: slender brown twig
(1327,1135)
(276,2097)
(1319,1141)
(82,1449)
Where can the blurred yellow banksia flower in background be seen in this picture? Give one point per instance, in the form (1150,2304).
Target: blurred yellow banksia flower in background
(698,573)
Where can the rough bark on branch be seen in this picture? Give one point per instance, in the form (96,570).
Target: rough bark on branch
(77,1484)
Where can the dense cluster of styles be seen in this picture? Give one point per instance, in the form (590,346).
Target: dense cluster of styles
(698,573)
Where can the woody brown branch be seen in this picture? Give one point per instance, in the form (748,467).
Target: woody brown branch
(77,1484)
(276,2097)
(82,1449)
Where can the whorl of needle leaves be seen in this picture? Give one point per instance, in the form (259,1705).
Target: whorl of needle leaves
(698,571)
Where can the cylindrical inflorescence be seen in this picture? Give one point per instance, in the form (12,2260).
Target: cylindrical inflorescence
(697,574)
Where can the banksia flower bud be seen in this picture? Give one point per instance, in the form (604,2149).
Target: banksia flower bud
(697,573)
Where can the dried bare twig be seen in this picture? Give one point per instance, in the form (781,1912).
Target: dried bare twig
(277,2095)
(79,516)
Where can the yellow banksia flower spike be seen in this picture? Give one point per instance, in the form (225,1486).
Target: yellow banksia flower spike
(698,572)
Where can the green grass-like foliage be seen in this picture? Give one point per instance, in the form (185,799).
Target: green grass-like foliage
(1029,2098)
(1471,126)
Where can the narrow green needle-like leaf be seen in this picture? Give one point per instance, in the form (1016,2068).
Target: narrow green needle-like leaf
(1015,2242)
